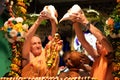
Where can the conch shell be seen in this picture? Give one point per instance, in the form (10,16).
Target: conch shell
(75,9)
(51,9)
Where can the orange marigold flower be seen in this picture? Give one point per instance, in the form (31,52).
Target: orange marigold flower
(21,4)
(23,10)
(110,21)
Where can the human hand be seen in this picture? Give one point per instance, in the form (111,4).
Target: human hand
(79,17)
(75,14)
(49,12)
(45,15)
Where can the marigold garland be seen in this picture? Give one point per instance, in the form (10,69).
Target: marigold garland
(112,30)
(18,7)
(15,29)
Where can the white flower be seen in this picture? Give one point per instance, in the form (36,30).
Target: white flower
(19,19)
(11,19)
(11,2)
(23,34)
(106,21)
(13,33)
(25,27)
(6,23)
(18,38)
(9,39)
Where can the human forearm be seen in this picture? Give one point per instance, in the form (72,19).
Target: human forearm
(33,28)
(81,18)
(100,37)
(54,27)
(29,35)
(84,43)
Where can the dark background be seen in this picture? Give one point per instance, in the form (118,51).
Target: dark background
(103,6)
(62,6)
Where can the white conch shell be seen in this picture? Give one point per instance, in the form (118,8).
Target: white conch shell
(75,9)
(51,9)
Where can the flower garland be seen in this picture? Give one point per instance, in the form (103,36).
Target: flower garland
(112,30)
(112,26)
(15,30)
(18,7)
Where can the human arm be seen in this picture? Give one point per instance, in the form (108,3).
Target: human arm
(32,30)
(52,14)
(81,38)
(53,21)
(54,27)
(100,37)
(29,35)
(81,18)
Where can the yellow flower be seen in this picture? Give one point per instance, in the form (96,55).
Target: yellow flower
(14,67)
(21,4)
(5,28)
(18,27)
(15,29)
(20,0)
(25,27)
(23,10)
(19,19)
(16,61)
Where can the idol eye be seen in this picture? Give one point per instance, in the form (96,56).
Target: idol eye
(53,58)
(67,60)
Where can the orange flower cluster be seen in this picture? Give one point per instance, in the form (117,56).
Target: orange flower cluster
(17,8)
(22,6)
(110,23)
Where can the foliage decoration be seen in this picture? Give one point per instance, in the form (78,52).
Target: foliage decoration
(112,30)
(95,17)
(15,29)
(112,26)
(92,15)
(18,7)
(30,19)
